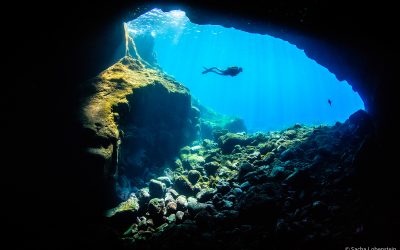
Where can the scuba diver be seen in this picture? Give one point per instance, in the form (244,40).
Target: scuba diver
(230,71)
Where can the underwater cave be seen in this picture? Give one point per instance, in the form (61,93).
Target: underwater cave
(279,88)
(190,150)
(211,125)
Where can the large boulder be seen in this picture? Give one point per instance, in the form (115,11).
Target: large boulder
(119,134)
(228,141)
(156,188)
(183,185)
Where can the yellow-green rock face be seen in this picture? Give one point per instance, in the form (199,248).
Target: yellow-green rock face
(111,89)
(110,100)
(131,205)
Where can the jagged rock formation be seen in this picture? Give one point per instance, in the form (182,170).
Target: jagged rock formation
(132,115)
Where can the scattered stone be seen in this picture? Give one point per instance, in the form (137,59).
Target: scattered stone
(227,204)
(195,207)
(127,208)
(205,194)
(244,168)
(237,191)
(245,185)
(173,192)
(171,207)
(184,151)
(211,167)
(291,133)
(192,199)
(156,188)
(288,154)
(223,187)
(265,148)
(156,208)
(171,218)
(209,144)
(237,149)
(178,164)
(192,161)
(166,180)
(169,198)
(195,149)
(268,158)
(196,188)
(181,203)
(143,196)
(194,176)
(277,172)
(236,125)
(150,222)
(142,223)
(183,185)
(290,174)
(179,216)
(228,141)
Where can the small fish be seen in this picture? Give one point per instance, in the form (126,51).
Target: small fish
(330,102)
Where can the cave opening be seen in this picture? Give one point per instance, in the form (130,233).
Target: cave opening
(278,87)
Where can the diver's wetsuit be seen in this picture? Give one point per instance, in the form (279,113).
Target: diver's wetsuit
(231,71)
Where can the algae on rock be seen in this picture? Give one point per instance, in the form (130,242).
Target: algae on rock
(121,105)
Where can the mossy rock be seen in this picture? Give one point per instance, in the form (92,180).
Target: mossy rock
(290,133)
(212,167)
(213,181)
(194,176)
(228,141)
(183,186)
(106,102)
(185,150)
(266,147)
(130,206)
(156,208)
(192,160)
(177,163)
(205,194)
(157,188)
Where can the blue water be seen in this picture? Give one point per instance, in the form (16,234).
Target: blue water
(279,85)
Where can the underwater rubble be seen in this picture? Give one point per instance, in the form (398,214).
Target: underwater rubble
(289,189)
